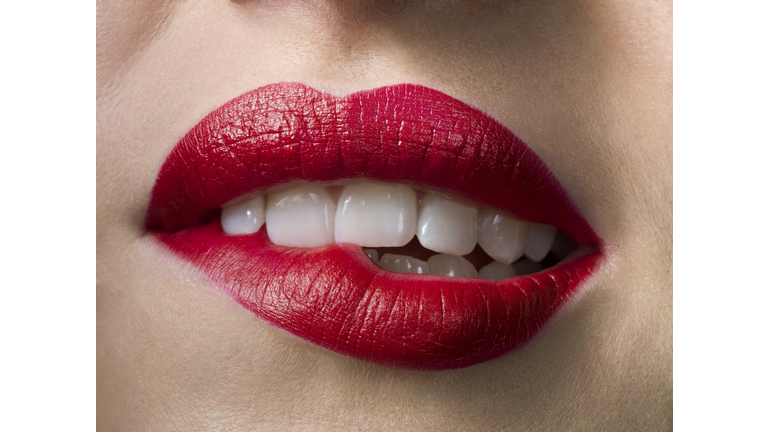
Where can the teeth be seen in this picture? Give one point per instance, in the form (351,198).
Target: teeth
(501,236)
(374,215)
(446,226)
(300,217)
(245,218)
(373,254)
(403,264)
(526,267)
(542,237)
(497,271)
(384,215)
(451,266)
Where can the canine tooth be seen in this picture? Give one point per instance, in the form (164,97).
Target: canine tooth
(403,264)
(451,266)
(375,215)
(497,271)
(542,237)
(300,217)
(373,254)
(526,267)
(244,218)
(446,226)
(502,236)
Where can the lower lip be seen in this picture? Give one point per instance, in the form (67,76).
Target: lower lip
(334,296)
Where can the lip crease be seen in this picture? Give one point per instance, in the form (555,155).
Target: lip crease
(334,296)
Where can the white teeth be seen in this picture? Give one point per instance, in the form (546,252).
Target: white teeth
(300,217)
(374,215)
(386,215)
(526,267)
(446,226)
(451,266)
(373,254)
(502,236)
(497,271)
(403,264)
(244,218)
(542,237)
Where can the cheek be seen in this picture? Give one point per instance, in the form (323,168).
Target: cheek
(123,28)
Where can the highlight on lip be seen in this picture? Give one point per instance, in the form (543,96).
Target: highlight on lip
(319,162)
(375,216)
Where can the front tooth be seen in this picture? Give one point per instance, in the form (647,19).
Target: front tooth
(244,218)
(376,215)
(497,271)
(300,217)
(542,237)
(403,264)
(451,266)
(502,236)
(446,226)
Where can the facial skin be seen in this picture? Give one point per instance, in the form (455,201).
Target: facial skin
(586,84)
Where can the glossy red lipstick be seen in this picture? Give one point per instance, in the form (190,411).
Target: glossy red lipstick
(333,295)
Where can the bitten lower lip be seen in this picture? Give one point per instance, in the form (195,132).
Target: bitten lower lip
(334,296)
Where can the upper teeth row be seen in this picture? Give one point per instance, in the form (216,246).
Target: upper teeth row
(377,215)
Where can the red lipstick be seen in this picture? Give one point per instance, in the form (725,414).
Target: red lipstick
(334,295)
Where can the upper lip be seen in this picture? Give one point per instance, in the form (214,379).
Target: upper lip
(404,134)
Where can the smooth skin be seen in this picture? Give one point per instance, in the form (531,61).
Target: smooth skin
(586,84)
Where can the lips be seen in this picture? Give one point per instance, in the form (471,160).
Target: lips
(334,295)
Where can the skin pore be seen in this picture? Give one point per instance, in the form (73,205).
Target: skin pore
(586,84)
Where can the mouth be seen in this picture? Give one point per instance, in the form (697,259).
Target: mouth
(359,223)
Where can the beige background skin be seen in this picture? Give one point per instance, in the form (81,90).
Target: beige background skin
(587,84)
